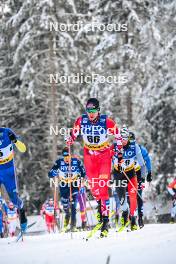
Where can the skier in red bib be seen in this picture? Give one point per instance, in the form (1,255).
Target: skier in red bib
(95,129)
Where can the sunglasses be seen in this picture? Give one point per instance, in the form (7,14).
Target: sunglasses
(91,110)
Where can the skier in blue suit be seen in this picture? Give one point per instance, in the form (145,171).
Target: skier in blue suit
(8,142)
(141,180)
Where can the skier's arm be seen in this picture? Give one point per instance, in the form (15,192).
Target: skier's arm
(54,170)
(15,140)
(147,162)
(5,208)
(146,158)
(113,130)
(172,186)
(74,132)
(81,169)
(42,211)
(140,160)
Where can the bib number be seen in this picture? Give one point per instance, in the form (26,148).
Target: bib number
(93,139)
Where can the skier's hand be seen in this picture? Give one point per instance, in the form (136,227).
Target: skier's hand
(143,179)
(82,190)
(20,146)
(53,173)
(174,197)
(12,137)
(149,177)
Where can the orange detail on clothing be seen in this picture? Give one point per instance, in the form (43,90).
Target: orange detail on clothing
(172,185)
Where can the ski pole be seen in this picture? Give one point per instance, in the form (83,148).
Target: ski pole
(70,182)
(131,183)
(56,201)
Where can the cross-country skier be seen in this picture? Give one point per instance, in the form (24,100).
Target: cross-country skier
(95,129)
(8,139)
(140,179)
(50,212)
(12,218)
(172,190)
(125,176)
(69,182)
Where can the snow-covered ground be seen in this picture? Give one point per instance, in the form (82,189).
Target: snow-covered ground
(155,243)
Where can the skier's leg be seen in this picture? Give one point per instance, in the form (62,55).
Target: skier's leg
(11,188)
(139,199)
(140,208)
(92,171)
(53,223)
(47,223)
(117,206)
(104,178)
(132,191)
(1,230)
(121,192)
(64,198)
(12,227)
(73,207)
(173,211)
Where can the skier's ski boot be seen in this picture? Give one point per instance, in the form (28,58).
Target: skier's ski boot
(73,226)
(23,220)
(133,223)
(124,219)
(83,227)
(172,221)
(116,219)
(2,235)
(99,214)
(66,221)
(105,225)
(140,221)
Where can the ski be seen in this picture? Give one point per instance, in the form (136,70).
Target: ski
(122,228)
(97,227)
(94,230)
(20,235)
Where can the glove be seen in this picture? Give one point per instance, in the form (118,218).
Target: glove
(174,197)
(82,190)
(69,140)
(149,177)
(20,146)
(143,180)
(12,137)
(140,185)
(52,173)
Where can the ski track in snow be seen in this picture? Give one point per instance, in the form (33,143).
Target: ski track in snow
(155,243)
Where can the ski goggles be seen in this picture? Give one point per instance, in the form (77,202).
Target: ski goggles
(91,110)
(125,138)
